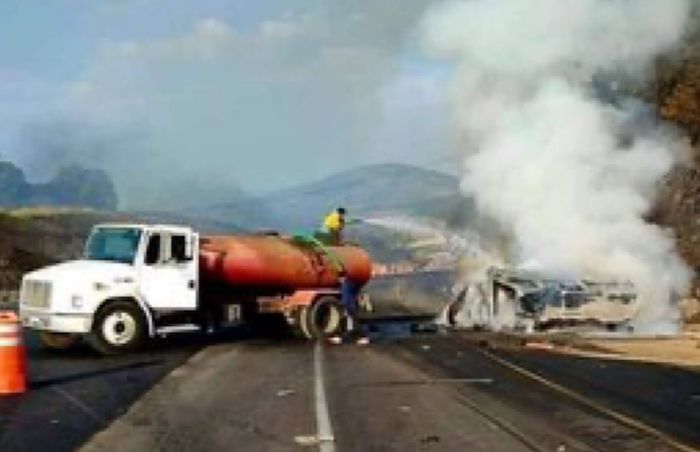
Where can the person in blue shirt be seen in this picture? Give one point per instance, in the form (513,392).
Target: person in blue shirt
(349,298)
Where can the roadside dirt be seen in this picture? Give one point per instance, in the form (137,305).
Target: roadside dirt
(679,350)
(683,350)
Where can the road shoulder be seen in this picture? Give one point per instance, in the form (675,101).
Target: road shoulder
(227,396)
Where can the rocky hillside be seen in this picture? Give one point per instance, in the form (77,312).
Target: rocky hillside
(365,191)
(677,95)
(33,238)
(72,186)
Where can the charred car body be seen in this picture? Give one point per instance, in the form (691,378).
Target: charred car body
(521,299)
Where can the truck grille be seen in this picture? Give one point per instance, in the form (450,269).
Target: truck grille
(36,294)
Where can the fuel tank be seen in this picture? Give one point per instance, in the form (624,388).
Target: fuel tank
(271,261)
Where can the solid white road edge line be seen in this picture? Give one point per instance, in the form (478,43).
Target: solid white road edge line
(323,420)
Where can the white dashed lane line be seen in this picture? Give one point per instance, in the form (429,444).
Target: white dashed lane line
(326,441)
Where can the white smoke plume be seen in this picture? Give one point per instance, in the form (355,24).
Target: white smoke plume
(569,174)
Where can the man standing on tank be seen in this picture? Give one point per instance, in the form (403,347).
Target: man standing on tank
(333,226)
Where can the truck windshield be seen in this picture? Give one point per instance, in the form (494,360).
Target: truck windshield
(113,244)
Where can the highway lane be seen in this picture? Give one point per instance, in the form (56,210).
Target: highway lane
(599,404)
(75,393)
(262,397)
(406,392)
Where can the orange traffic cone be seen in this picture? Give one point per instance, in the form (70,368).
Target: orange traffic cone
(13,366)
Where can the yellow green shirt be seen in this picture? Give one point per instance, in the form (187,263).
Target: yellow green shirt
(333,222)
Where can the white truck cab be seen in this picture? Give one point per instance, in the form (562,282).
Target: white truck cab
(129,275)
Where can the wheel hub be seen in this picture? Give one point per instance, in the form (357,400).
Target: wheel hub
(119,328)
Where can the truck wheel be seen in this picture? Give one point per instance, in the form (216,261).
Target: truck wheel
(323,318)
(119,327)
(302,323)
(57,341)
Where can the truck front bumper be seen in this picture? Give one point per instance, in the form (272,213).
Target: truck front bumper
(56,322)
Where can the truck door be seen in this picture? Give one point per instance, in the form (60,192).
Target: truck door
(168,276)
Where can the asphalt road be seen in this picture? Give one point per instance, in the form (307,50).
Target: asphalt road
(585,404)
(403,392)
(75,393)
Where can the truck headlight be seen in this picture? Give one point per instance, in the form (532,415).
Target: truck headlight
(76,301)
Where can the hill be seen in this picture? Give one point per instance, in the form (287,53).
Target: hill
(676,93)
(365,191)
(31,238)
(72,186)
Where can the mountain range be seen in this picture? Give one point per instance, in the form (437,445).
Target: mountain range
(71,186)
(385,189)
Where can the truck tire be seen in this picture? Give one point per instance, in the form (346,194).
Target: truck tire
(323,318)
(57,341)
(301,323)
(119,327)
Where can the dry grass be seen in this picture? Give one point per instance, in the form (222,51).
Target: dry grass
(45,211)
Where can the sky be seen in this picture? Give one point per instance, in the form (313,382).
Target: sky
(217,99)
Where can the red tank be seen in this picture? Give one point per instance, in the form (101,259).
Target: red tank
(277,262)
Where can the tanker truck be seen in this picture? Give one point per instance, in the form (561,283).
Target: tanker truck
(138,281)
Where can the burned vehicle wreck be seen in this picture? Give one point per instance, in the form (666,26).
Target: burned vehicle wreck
(531,301)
